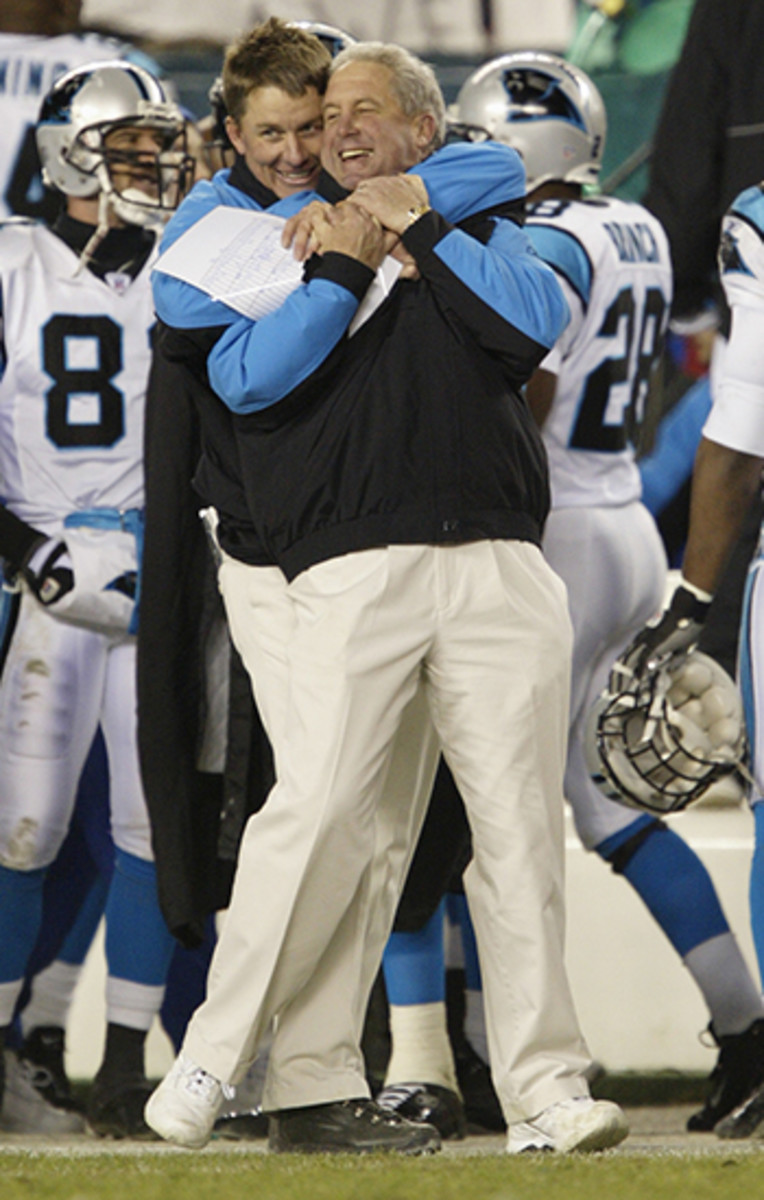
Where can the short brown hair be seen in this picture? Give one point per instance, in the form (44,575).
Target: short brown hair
(274,54)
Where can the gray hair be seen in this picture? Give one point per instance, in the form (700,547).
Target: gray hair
(413,82)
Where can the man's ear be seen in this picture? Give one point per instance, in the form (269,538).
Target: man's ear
(232,129)
(425,126)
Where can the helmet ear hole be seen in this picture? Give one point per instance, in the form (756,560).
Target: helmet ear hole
(662,742)
(547,109)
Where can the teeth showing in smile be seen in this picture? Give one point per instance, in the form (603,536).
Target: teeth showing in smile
(346,154)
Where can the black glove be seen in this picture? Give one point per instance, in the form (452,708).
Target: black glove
(676,631)
(49,570)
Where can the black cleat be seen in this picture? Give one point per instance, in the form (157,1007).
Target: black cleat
(348,1127)
(427,1103)
(745,1121)
(481,1104)
(738,1072)
(115,1107)
(43,1051)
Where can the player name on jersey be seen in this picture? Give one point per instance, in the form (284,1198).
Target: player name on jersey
(21,76)
(634,243)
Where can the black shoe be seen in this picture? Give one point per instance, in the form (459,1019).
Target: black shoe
(481,1104)
(747,1120)
(43,1051)
(427,1103)
(738,1072)
(115,1107)
(348,1127)
(241,1127)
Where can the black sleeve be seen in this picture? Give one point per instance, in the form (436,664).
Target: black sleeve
(687,165)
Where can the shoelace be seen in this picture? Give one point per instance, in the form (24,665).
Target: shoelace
(39,1077)
(200,1083)
(374,1114)
(396,1094)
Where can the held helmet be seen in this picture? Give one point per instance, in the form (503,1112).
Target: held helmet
(329,35)
(545,108)
(82,108)
(659,743)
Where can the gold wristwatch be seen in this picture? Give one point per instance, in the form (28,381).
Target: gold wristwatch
(415,212)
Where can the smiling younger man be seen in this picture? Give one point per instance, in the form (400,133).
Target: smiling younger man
(276,131)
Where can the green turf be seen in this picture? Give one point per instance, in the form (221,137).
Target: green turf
(216,1176)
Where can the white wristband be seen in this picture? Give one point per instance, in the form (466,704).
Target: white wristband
(697,592)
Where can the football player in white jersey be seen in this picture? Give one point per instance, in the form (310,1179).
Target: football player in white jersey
(612,261)
(39,41)
(726,478)
(74,357)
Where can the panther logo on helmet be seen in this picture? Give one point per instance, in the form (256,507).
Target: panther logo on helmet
(76,118)
(544,107)
(661,742)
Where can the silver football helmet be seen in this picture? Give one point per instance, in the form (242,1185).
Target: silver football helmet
(661,742)
(333,38)
(545,108)
(82,108)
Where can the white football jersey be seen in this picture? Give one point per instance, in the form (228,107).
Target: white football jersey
(74,356)
(29,66)
(737,415)
(612,260)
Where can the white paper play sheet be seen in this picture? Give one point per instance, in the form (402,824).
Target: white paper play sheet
(235,256)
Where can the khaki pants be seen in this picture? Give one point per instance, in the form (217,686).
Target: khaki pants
(483,628)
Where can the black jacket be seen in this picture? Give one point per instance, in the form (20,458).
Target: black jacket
(413,430)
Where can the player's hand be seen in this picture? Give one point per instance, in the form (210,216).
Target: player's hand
(676,631)
(298,230)
(49,571)
(390,199)
(347,229)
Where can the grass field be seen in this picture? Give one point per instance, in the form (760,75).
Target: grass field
(59,1175)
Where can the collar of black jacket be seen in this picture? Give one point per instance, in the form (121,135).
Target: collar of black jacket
(242,178)
(328,188)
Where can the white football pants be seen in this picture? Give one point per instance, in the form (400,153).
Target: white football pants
(613,564)
(58,682)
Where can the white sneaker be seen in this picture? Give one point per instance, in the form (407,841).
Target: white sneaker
(184,1107)
(578,1124)
(24,1110)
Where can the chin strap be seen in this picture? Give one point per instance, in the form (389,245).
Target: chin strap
(99,233)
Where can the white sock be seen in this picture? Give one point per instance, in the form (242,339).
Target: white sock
(9,994)
(51,999)
(721,973)
(421,1050)
(474,1022)
(132,1004)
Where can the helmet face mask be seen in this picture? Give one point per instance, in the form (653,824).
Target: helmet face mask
(659,744)
(83,151)
(545,108)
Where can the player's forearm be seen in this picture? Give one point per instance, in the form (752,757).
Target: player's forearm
(724,484)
